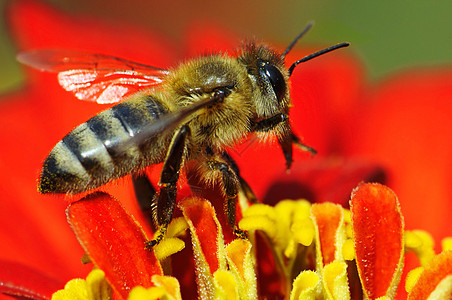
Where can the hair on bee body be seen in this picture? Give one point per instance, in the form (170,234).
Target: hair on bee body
(190,114)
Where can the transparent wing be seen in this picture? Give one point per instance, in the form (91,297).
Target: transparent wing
(95,77)
(105,86)
(168,122)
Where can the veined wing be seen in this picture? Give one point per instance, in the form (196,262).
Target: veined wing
(95,77)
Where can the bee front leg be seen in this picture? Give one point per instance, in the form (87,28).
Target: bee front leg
(164,201)
(230,184)
(304,147)
(286,143)
(286,140)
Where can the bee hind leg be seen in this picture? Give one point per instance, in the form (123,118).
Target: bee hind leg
(164,201)
(144,194)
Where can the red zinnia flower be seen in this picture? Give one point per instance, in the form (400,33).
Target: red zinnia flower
(399,129)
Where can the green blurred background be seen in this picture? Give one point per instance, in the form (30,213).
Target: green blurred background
(387,35)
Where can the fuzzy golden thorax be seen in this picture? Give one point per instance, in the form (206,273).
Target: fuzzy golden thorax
(221,124)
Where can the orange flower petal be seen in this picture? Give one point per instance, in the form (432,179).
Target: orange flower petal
(241,262)
(378,234)
(114,242)
(438,269)
(327,218)
(203,223)
(237,252)
(207,241)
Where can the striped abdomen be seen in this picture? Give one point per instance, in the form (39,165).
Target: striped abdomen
(97,151)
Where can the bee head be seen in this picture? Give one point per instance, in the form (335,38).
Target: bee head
(268,72)
(270,78)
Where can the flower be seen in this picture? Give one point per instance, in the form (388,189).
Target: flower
(330,105)
(370,237)
(34,229)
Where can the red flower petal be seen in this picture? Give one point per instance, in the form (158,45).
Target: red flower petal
(114,242)
(46,112)
(324,93)
(24,282)
(33,228)
(378,234)
(438,269)
(405,126)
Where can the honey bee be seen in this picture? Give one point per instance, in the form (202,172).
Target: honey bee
(192,113)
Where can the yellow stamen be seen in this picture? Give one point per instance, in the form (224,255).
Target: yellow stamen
(226,285)
(167,247)
(335,281)
(177,227)
(348,250)
(141,293)
(262,223)
(303,231)
(412,277)
(446,244)
(307,286)
(95,287)
(421,243)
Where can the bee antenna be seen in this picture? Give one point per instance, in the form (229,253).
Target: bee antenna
(318,53)
(299,36)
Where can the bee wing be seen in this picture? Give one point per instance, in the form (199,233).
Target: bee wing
(168,122)
(105,86)
(95,77)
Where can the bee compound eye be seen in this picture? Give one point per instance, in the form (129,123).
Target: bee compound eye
(276,79)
